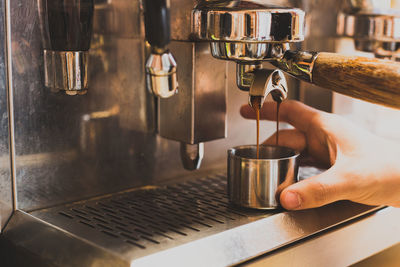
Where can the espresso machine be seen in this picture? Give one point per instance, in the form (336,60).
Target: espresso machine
(117,116)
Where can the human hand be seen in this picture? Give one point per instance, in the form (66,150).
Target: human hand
(363,168)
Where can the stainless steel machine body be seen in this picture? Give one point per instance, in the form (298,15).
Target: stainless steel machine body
(7,186)
(91,179)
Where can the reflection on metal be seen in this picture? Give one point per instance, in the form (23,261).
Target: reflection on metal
(198,113)
(247,32)
(66,71)
(374,27)
(7,191)
(90,124)
(192,155)
(365,26)
(34,160)
(248,52)
(184,224)
(245,75)
(118,18)
(268,82)
(299,64)
(378,227)
(354,6)
(257,182)
(102,114)
(161,75)
(247,22)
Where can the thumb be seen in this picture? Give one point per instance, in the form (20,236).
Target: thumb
(315,191)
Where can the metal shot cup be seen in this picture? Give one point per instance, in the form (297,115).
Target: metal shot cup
(257,183)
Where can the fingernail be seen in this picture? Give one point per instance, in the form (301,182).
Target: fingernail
(291,200)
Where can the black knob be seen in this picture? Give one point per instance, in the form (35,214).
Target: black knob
(157,23)
(66,25)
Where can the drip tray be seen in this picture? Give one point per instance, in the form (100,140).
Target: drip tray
(155,216)
(186,223)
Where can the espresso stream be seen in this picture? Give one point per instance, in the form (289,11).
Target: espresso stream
(256,104)
(278,104)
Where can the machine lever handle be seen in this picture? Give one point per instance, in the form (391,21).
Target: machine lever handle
(373,80)
(369,79)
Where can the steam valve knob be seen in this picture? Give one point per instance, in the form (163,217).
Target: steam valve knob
(160,66)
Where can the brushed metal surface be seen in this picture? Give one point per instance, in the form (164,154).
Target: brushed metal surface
(47,123)
(59,140)
(118,18)
(197,113)
(74,148)
(257,182)
(342,246)
(321,23)
(6,197)
(181,12)
(182,224)
(25,230)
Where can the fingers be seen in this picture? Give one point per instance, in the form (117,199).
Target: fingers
(316,191)
(289,138)
(293,112)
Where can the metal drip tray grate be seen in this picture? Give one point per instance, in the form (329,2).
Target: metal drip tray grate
(157,215)
(187,223)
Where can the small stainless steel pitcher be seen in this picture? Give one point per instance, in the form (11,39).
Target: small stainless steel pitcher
(257,183)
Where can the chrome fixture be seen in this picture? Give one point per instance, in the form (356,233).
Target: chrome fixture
(353,6)
(178,116)
(198,113)
(249,32)
(268,82)
(160,66)
(184,117)
(66,33)
(374,27)
(192,155)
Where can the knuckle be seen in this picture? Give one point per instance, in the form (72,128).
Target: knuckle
(322,117)
(319,120)
(322,193)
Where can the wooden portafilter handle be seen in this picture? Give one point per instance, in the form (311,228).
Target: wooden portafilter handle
(373,80)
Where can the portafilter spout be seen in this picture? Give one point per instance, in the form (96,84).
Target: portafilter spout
(267,82)
(250,33)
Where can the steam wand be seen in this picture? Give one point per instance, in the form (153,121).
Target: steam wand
(161,69)
(160,66)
